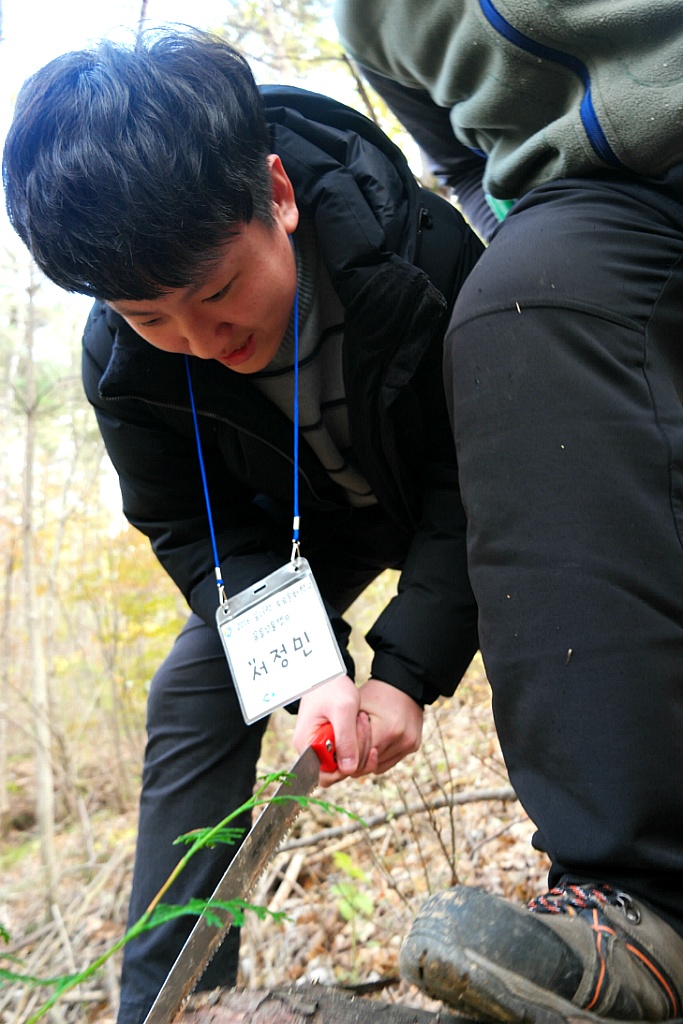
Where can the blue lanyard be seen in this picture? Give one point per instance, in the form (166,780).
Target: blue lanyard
(295,417)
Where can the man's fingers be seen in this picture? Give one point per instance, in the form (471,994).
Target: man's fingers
(365,760)
(364,737)
(368,766)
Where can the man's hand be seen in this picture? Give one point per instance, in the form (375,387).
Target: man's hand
(395,723)
(337,702)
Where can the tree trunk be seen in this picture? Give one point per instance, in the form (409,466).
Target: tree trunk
(38,674)
(314,1004)
(143,15)
(4,687)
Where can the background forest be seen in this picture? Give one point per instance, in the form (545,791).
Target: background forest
(86,614)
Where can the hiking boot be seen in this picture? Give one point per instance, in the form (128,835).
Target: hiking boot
(577,953)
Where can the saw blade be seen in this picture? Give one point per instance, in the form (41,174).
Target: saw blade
(237,882)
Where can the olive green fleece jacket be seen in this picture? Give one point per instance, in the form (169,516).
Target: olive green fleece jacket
(544,88)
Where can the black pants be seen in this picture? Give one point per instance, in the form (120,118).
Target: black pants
(201,758)
(564,367)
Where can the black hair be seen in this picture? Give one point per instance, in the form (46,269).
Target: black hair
(127,167)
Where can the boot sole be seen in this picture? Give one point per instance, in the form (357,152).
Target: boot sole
(478,988)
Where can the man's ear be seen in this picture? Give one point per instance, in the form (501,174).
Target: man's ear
(284,202)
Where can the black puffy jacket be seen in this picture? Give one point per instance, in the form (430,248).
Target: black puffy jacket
(373,228)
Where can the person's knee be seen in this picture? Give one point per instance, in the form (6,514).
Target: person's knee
(192,687)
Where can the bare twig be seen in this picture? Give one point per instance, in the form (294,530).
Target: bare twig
(504,793)
(288,882)
(64,937)
(360,86)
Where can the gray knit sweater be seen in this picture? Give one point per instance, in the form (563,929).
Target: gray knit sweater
(544,88)
(323,410)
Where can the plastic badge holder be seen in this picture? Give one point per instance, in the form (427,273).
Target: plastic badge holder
(278,640)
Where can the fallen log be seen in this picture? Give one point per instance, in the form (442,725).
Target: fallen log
(311,1004)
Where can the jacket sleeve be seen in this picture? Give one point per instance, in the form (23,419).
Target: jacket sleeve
(453,165)
(427,635)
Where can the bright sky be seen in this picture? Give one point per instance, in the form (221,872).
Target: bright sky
(35,31)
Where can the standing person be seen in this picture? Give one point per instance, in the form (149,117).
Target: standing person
(564,372)
(215,227)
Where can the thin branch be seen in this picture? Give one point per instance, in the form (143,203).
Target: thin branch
(360,86)
(143,15)
(505,793)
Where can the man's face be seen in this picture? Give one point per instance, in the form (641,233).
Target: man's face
(239,312)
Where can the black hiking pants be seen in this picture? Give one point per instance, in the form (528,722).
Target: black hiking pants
(564,370)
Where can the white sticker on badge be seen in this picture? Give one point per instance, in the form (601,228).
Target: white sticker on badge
(278,640)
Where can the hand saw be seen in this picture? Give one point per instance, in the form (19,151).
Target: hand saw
(242,874)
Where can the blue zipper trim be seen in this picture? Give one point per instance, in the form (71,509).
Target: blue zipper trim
(589,118)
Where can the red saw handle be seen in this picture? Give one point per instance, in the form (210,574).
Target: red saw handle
(323,744)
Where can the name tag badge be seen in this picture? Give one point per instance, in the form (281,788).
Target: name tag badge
(278,640)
